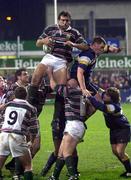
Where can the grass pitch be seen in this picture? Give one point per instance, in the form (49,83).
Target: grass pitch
(96,161)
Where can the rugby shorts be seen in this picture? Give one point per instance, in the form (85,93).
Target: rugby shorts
(56,62)
(76,129)
(120,136)
(14,144)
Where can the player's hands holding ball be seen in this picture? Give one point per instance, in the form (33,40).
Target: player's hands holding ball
(48,41)
(69,43)
(48,44)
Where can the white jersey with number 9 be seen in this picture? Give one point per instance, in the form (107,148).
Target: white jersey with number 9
(14,117)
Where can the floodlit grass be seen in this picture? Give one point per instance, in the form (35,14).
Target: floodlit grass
(96,161)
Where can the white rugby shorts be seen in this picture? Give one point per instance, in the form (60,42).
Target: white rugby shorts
(13,144)
(56,62)
(76,129)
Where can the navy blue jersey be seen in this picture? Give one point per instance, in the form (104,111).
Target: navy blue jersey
(59,37)
(86,61)
(113,115)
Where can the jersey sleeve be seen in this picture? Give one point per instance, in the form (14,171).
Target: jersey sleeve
(107,108)
(45,33)
(34,123)
(78,37)
(84,60)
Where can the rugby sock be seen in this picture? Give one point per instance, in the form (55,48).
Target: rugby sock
(69,161)
(58,167)
(1,174)
(127,165)
(33,95)
(19,170)
(126,162)
(49,163)
(28,175)
(76,163)
(10,164)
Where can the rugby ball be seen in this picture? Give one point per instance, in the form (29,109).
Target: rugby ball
(46,48)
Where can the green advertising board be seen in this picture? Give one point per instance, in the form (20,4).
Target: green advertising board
(103,62)
(114,62)
(9,46)
(19,62)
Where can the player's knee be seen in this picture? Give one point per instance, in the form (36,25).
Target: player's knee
(114,151)
(66,154)
(75,153)
(36,78)
(28,167)
(118,153)
(121,154)
(33,95)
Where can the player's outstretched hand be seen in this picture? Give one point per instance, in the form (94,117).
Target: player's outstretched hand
(114,49)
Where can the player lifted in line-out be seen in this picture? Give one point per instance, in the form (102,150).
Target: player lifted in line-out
(61,38)
(58,122)
(20,119)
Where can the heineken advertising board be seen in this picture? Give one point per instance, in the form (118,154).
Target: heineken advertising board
(19,62)
(23,46)
(114,62)
(103,62)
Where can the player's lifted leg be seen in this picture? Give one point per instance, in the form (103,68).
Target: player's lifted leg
(33,94)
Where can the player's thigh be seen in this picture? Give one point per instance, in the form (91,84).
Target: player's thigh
(69,144)
(2,160)
(39,72)
(60,76)
(35,146)
(121,148)
(4,144)
(18,145)
(76,129)
(26,160)
(61,148)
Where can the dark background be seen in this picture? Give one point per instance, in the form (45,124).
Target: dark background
(28,17)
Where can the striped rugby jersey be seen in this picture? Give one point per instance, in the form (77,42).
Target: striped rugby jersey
(20,118)
(59,37)
(72,101)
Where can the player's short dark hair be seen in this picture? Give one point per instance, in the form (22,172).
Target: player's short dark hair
(65,14)
(19,73)
(114,93)
(99,40)
(20,93)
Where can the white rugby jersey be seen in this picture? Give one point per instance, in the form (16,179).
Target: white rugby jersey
(20,118)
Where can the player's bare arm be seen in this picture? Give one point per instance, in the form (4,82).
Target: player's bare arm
(81,80)
(47,41)
(111,49)
(81,46)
